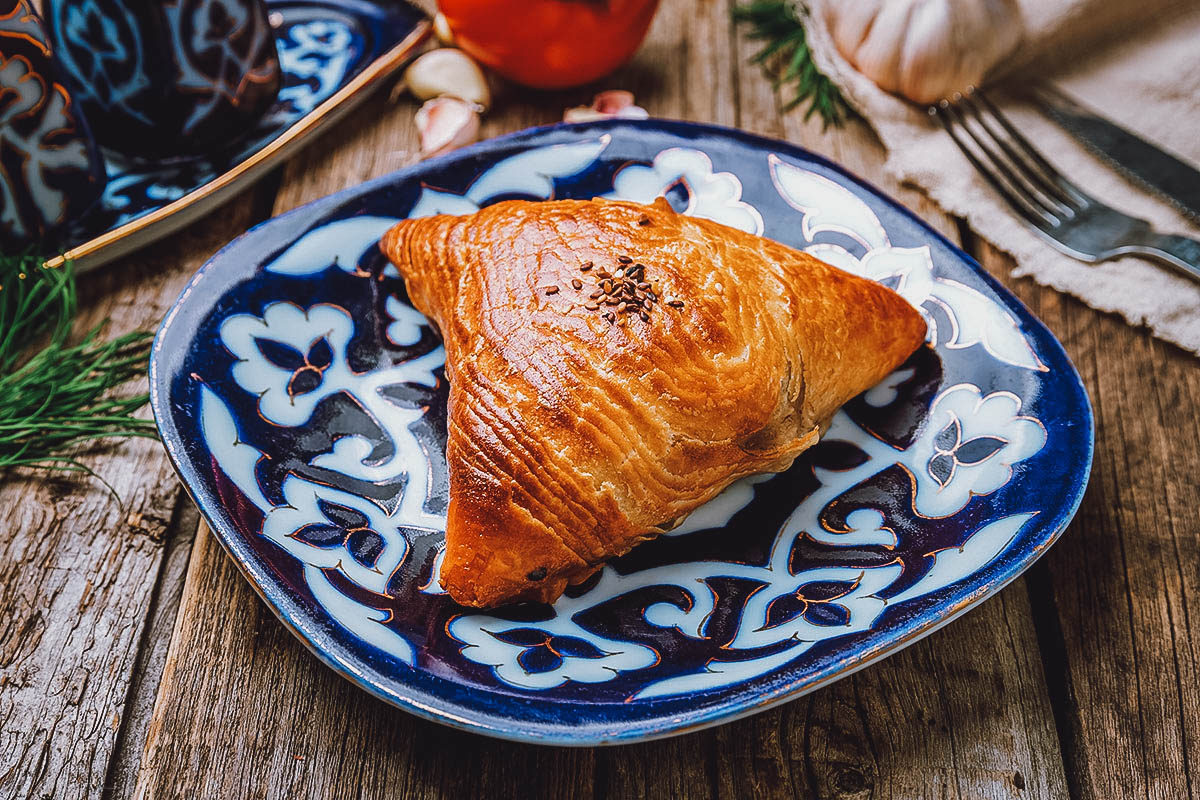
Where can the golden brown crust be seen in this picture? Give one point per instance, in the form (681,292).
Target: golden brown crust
(572,438)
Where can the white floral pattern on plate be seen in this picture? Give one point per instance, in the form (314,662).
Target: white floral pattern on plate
(926,493)
(829,207)
(711,195)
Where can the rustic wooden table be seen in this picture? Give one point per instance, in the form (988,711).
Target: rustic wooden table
(136,661)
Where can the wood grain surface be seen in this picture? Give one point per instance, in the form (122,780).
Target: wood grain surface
(136,661)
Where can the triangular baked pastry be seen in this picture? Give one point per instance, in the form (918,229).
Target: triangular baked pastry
(613,366)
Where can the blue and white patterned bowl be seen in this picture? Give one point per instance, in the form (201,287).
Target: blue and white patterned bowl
(332,53)
(304,405)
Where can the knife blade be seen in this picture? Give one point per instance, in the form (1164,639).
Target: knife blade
(1159,171)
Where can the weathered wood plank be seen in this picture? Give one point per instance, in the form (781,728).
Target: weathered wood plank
(231,662)
(1124,580)
(243,708)
(152,654)
(245,711)
(964,713)
(78,569)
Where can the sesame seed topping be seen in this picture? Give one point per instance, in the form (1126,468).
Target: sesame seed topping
(585,266)
(551,290)
(591,306)
(645,317)
(625,259)
(675,303)
(576,283)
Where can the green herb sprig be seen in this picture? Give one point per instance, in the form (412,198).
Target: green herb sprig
(787,57)
(56,393)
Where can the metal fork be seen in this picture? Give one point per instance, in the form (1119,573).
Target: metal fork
(1070,219)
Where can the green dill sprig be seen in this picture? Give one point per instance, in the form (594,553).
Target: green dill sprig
(57,394)
(787,57)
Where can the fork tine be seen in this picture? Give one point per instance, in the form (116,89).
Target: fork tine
(1074,194)
(1018,157)
(996,173)
(1013,170)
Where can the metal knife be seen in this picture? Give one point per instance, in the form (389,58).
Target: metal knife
(1131,155)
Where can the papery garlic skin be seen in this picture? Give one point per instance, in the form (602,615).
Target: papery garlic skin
(448,72)
(924,50)
(446,123)
(441,29)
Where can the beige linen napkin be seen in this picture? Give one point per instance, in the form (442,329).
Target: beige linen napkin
(1137,64)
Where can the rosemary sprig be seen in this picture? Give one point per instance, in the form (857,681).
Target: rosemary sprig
(787,57)
(59,396)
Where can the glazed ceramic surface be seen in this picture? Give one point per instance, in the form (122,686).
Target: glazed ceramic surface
(331,52)
(303,402)
(50,169)
(169,77)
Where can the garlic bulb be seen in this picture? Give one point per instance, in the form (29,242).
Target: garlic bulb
(924,49)
(446,123)
(447,72)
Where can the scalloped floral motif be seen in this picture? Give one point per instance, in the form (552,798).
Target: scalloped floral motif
(828,207)
(293,359)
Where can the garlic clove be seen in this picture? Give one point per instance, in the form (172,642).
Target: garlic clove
(612,101)
(446,123)
(447,72)
(607,105)
(441,29)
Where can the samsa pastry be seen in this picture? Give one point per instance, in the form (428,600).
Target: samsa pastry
(614,366)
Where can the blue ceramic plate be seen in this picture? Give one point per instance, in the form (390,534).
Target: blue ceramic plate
(304,405)
(333,52)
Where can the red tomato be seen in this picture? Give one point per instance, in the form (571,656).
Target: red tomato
(550,44)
